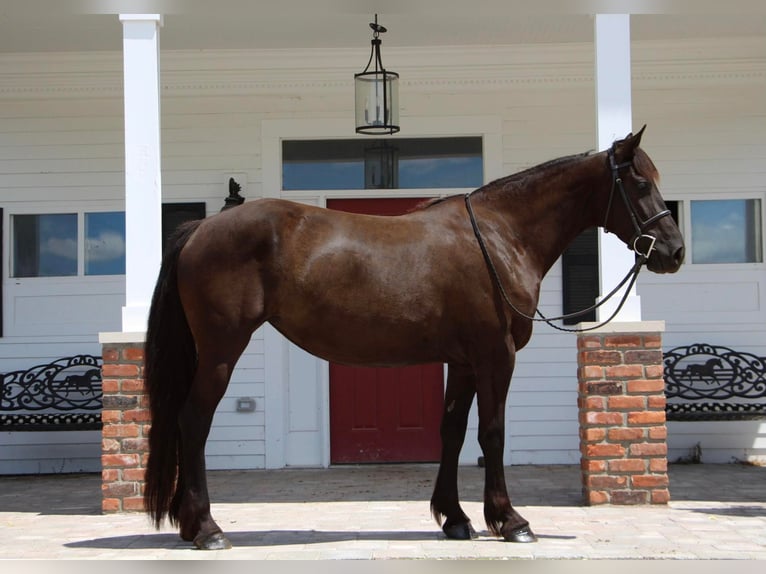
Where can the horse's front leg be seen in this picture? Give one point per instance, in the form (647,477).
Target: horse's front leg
(493,381)
(445,502)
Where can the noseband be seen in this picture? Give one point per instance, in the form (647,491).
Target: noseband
(639,226)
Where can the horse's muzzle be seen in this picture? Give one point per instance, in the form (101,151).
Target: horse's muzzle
(663,260)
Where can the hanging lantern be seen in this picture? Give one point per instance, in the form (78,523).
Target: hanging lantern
(377,92)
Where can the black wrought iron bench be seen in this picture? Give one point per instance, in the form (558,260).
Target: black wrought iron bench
(62,395)
(712,383)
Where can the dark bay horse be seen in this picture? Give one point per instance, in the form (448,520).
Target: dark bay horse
(381,291)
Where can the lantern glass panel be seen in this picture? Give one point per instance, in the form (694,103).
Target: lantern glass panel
(377,102)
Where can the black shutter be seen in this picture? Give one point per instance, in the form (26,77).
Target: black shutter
(580,276)
(174,214)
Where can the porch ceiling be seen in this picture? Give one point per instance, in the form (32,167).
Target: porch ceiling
(84,25)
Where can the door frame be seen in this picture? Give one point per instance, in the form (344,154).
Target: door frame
(281,442)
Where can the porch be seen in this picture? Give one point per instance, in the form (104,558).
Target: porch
(382,512)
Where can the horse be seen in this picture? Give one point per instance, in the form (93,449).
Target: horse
(83,383)
(381,291)
(705,371)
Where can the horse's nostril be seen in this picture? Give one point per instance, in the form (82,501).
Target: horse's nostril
(679,255)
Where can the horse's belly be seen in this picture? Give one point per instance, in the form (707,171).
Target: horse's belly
(384,337)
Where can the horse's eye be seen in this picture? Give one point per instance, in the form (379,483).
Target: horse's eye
(643,185)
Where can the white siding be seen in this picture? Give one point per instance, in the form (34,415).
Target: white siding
(50,452)
(237,439)
(707,137)
(61,148)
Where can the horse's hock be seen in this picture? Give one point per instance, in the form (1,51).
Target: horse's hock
(622,414)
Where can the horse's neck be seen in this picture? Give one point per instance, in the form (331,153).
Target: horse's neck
(548,208)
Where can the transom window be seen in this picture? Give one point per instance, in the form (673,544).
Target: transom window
(396,163)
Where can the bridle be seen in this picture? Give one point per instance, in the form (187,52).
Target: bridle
(640,228)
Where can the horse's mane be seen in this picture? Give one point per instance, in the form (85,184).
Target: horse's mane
(534,170)
(645,166)
(641,161)
(426,203)
(508,178)
(554,163)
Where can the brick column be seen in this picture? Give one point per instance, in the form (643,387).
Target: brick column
(622,414)
(126,418)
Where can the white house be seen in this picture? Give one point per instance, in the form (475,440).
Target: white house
(264,94)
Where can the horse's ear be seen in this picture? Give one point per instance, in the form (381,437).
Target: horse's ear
(638,136)
(626,148)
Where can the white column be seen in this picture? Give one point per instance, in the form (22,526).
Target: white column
(614,118)
(143,183)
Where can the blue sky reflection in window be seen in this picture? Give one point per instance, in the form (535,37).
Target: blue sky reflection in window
(105,243)
(421,163)
(45,245)
(726,231)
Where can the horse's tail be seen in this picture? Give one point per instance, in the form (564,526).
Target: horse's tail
(170,364)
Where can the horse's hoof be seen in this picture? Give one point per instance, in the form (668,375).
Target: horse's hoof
(522,534)
(215,541)
(462,531)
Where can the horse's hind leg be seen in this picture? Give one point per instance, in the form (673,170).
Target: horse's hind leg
(191,504)
(493,382)
(445,501)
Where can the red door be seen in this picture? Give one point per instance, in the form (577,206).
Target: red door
(384,415)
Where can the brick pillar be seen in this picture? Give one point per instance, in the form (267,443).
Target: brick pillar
(622,414)
(126,418)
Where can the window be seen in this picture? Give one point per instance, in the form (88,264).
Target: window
(105,243)
(398,163)
(45,245)
(68,244)
(726,231)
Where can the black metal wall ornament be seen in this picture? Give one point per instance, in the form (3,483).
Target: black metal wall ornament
(65,394)
(712,382)
(234,199)
(376,92)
